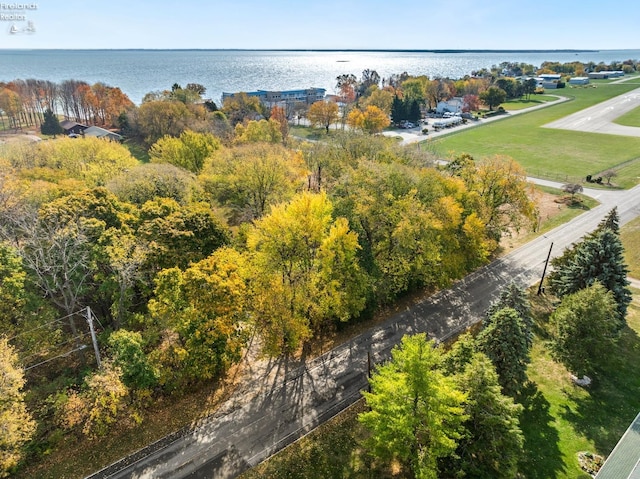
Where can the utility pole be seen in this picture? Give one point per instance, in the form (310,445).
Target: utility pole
(93,336)
(544,271)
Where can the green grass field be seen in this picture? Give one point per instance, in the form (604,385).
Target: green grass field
(521,103)
(631,118)
(555,154)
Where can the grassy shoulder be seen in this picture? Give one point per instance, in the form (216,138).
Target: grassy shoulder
(552,153)
(630,234)
(521,103)
(631,118)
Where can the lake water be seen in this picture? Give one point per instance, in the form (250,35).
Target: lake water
(138,72)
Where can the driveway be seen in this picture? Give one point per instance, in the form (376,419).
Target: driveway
(599,118)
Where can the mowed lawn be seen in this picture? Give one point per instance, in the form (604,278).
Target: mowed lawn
(522,103)
(631,118)
(550,153)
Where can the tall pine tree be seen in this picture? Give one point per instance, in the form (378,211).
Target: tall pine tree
(504,341)
(515,297)
(599,257)
(51,125)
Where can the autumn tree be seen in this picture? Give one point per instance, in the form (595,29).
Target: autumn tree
(156,119)
(177,235)
(493,96)
(279,114)
(248,179)
(150,180)
(382,99)
(267,131)
(188,151)
(371,120)
(323,113)
(470,103)
(501,193)
(306,272)
(204,310)
(415,412)
(241,107)
(17,424)
(101,403)
(584,327)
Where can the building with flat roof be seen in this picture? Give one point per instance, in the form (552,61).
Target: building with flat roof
(579,81)
(309,95)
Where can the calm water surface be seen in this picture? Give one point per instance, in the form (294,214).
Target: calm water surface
(138,72)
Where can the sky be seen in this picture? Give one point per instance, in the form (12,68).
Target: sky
(326,24)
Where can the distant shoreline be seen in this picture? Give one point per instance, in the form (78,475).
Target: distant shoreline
(330,50)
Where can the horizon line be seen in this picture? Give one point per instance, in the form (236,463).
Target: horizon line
(352,50)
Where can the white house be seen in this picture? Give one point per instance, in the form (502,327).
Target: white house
(454,105)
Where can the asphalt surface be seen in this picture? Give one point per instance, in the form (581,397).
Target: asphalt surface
(599,118)
(281,399)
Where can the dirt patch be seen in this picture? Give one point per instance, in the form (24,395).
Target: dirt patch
(23,137)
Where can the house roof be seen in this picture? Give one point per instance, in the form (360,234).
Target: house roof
(624,460)
(102,133)
(68,124)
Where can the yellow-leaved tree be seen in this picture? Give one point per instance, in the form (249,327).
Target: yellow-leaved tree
(305,272)
(17,426)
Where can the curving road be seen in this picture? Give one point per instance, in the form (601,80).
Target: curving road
(281,400)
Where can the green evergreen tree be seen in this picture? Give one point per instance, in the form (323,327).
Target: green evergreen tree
(515,297)
(505,342)
(493,442)
(414,113)
(415,411)
(611,221)
(584,328)
(599,257)
(51,125)
(398,111)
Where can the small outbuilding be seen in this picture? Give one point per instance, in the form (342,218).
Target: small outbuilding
(579,81)
(72,127)
(102,133)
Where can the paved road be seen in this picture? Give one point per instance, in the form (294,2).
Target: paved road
(599,118)
(282,400)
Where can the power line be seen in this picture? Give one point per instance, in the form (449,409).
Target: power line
(57,346)
(83,346)
(39,327)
